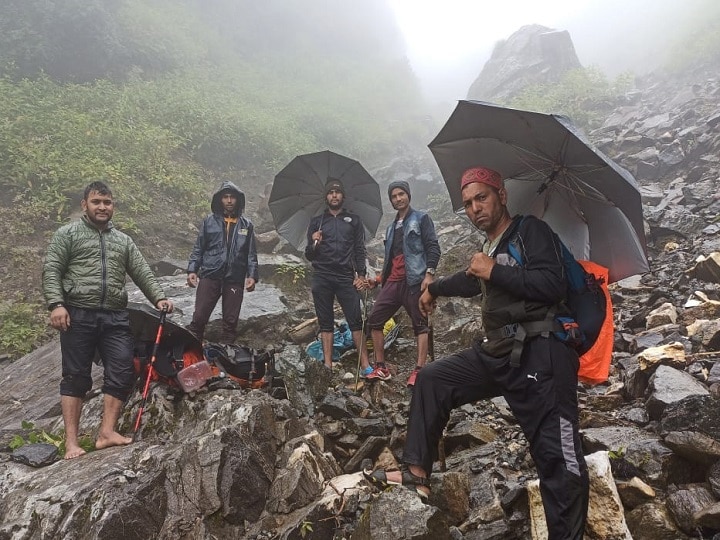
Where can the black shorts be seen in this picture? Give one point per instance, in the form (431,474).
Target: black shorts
(325,288)
(108,333)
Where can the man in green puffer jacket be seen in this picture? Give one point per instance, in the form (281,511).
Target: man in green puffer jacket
(84,286)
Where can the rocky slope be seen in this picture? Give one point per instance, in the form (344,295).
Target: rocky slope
(236,464)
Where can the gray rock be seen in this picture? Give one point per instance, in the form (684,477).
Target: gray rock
(533,55)
(36,455)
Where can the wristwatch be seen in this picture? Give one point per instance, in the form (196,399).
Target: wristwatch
(55,305)
(430,271)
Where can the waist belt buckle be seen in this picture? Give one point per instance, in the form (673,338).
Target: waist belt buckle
(509,330)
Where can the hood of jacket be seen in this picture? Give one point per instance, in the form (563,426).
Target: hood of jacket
(216,204)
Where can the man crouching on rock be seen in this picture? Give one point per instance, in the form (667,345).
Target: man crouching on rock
(84,286)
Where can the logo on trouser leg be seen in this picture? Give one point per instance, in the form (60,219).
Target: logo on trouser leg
(533,377)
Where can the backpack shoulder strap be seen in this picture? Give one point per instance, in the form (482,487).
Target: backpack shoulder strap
(513,244)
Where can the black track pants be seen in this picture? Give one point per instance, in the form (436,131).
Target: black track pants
(542,394)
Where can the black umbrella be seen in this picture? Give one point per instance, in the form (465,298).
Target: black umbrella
(298,194)
(144,321)
(553,172)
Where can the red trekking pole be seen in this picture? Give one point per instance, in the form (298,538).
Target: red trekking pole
(161,324)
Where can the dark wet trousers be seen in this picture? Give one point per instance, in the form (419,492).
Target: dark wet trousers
(209,291)
(542,393)
(325,288)
(107,333)
(393,296)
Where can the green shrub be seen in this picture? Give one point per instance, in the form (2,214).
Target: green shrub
(584,95)
(33,435)
(23,327)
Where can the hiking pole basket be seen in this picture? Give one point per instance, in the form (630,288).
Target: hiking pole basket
(146,389)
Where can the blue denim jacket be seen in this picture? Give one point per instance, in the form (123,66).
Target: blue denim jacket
(420,246)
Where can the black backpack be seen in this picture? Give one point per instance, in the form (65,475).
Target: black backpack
(239,362)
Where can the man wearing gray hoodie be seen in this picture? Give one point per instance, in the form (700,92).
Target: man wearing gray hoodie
(223,263)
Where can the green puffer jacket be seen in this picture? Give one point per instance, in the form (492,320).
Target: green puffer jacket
(86,268)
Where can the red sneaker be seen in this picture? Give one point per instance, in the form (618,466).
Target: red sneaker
(379,373)
(412,377)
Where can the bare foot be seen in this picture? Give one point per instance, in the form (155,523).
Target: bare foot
(73,451)
(111,439)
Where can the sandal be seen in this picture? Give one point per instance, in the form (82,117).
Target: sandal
(379,479)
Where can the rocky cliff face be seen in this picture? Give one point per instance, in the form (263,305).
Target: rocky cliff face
(223,463)
(534,54)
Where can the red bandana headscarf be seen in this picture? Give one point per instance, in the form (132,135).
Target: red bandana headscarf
(481,175)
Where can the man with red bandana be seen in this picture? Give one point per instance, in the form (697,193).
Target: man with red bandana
(534,371)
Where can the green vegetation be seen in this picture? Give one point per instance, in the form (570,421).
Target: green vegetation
(162,98)
(306,527)
(23,326)
(55,137)
(33,435)
(297,272)
(583,95)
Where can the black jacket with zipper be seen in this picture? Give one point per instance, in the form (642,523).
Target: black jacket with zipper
(342,249)
(212,256)
(514,293)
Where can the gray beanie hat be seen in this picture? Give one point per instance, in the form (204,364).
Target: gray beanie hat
(402,184)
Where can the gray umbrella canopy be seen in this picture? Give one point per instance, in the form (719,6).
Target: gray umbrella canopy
(553,172)
(298,194)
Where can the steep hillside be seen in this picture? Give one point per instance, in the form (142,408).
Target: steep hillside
(163,99)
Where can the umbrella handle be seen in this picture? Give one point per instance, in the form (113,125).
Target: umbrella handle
(320,231)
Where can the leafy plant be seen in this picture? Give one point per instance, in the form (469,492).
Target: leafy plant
(306,527)
(33,435)
(296,272)
(22,327)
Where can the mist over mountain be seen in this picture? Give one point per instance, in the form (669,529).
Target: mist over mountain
(613,35)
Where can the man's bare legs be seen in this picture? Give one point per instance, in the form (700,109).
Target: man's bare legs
(326,338)
(112,408)
(422,349)
(378,340)
(361,345)
(71,409)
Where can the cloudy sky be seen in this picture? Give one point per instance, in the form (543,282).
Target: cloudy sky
(448,41)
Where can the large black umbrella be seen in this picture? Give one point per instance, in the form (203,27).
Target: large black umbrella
(553,172)
(298,194)
(144,320)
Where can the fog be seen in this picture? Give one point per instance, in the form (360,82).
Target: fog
(447,50)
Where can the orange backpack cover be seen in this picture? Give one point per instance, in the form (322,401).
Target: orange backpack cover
(595,363)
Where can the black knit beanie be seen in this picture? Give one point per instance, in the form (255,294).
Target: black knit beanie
(402,184)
